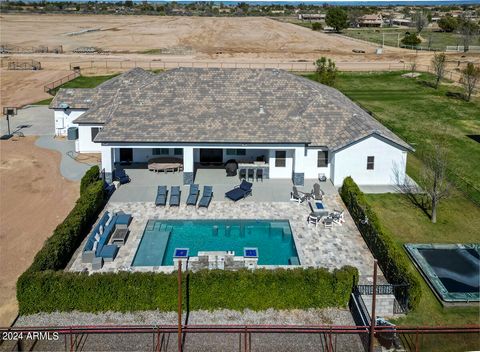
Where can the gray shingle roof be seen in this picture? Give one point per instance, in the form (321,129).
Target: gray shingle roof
(216,105)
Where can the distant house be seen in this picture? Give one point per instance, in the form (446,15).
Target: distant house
(371,21)
(298,127)
(402,22)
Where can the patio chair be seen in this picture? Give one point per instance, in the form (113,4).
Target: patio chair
(251,174)
(314,219)
(242,174)
(193,195)
(239,192)
(296,196)
(259,174)
(206,197)
(121,176)
(175,196)
(161,196)
(317,192)
(338,216)
(328,222)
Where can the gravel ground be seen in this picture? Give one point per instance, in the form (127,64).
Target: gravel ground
(198,341)
(284,317)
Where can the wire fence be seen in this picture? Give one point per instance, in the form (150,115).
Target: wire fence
(233,338)
(52,85)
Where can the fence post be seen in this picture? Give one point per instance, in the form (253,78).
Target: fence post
(179,337)
(374,297)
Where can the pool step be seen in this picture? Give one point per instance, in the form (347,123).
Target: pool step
(163,237)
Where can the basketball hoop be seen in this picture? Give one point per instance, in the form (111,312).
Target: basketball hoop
(9,111)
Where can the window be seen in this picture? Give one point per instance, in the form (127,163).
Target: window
(280,158)
(370,162)
(236,152)
(94,131)
(178,151)
(160,151)
(322,159)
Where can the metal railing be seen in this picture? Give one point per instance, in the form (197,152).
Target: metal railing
(52,85)
(400,291)
(162,337)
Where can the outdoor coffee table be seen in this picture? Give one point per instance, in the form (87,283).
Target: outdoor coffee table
(120,235)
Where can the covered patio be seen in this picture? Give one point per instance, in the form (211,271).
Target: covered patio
(144,183)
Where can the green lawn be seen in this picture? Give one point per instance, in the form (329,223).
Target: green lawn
(413,111)
(432,38)
(417,112)
(83,82)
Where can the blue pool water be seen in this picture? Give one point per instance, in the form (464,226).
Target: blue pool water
(273,238)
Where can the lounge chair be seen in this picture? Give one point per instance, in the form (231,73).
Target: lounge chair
(193,195)
(206,197)
(175,196)
(296,196)
(161,196)
(317,192)
(121,176)
(239,192)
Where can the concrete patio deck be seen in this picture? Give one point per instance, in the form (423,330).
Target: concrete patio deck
(316,246)
(143,187)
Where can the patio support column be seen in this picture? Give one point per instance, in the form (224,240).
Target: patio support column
(299,166)
(188,165)
(107,163)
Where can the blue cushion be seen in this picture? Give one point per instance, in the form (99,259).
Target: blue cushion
(235,194)
(109,251)
(123,219)
(246,186)
(319,206)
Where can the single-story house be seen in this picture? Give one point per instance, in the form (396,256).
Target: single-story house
(300,128)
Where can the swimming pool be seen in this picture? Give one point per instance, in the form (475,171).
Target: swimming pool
(452,270)
(273,239)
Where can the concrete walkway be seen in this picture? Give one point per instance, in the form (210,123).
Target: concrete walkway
(69,167)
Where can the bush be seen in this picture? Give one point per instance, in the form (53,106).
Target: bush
(317,26)
(90,177)
(260,289)
(391,259)
(59,248)
(411,39)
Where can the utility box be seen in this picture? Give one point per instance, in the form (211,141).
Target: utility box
(72,133)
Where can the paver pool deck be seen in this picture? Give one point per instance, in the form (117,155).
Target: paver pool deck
(316,246)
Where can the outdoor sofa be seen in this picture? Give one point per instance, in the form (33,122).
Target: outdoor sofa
(97,242)
(121,176)
(239,192)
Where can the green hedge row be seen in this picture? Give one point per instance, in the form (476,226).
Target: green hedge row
(90,177)
(261,289)
(391,259)
(59,248)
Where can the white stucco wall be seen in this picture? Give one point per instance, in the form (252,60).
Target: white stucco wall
(84,143)
(64,118)
(310,165)
(390,163)
(281,172)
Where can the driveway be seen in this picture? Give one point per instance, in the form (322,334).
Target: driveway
(32,120)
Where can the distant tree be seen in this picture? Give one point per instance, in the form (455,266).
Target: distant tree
(326,71)
(411,39)
(420,21)
(470,79)
(317,26)
(129,3)
(448,24)
(468,30)
(336,18)
(354,16)
(438,63)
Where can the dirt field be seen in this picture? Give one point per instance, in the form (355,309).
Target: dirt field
(34,199)
(130,39)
